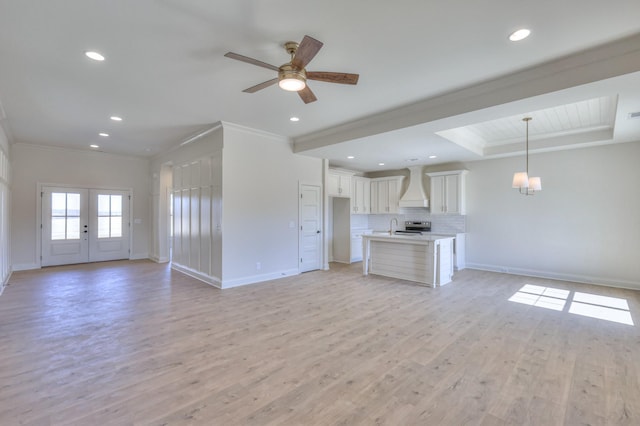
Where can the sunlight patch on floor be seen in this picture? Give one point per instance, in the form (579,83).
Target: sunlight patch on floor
(542,297)
(590,305)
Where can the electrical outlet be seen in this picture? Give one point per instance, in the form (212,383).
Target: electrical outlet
(258,266)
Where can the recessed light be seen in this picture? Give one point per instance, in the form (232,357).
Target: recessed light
(294,119)
(116,118)
(94,146)
(433,156)
(380,164)
(520,34)
(94,55)
(350,157)
(104,135)
(147,149)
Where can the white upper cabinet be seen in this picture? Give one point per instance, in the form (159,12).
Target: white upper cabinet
(448,192)
(339,183)
(385,194)
(360,195)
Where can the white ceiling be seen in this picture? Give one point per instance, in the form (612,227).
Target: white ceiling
(430,73)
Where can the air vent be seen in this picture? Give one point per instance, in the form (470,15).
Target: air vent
(634,114)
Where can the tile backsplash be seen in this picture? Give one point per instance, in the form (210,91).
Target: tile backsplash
(444,224)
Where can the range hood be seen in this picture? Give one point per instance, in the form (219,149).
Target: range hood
(414,196)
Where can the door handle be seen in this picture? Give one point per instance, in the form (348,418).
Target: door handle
(317,232)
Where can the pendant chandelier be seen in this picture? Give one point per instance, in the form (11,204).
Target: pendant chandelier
(526,185)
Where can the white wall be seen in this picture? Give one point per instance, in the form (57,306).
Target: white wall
(196,183)
(260,200)
(36,164)
(259,178)
(583,226)
(5,206)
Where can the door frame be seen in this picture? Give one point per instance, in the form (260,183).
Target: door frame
(322,223)
(39,220)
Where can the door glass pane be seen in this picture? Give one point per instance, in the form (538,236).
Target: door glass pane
(73,205)
(73,228)
(58,228)
(65,216)
(103,227)
(116,205)
(109,216)
(58,204)
(116,227)
(103,205)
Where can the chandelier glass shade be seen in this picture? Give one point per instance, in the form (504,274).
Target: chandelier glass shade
(526,185)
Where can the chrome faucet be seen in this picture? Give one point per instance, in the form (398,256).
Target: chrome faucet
(391,225)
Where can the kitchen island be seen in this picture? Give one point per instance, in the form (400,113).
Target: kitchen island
(425,259)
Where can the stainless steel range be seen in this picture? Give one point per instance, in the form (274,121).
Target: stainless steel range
(413,227)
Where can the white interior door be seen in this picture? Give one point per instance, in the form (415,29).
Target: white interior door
(310,227)
(108,225)
(84,225)
(64,226)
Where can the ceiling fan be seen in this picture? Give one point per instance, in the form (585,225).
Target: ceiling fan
(293,76)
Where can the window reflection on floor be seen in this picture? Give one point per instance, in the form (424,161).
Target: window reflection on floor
(543,297)
(590,305)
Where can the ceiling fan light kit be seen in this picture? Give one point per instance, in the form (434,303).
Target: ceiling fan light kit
(293,76)
(291,79)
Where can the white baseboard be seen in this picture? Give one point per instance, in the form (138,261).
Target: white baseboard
(603,281)
(139,256)
(159,259)
(253,279)
(5,282)
(213,281)
(24,266)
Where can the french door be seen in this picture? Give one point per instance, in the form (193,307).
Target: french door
(84,225)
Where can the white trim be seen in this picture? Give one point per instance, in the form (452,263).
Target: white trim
(255,132)
(585,279)
(139,256)
(213,281)
(159,259)
(253,279)
(6,282)
(237,282)
(24,266)
(199,135)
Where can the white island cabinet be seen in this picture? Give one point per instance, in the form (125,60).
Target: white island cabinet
(425,259)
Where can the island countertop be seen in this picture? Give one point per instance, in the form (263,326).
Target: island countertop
(416,238)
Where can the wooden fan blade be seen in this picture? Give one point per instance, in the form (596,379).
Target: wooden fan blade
(307,95)
(333,77)
(307,49)
(261,86)
(250,61)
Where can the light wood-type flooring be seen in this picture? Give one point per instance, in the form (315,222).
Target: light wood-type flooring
(122,343)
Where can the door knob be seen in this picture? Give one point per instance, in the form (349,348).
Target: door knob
(317,232)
